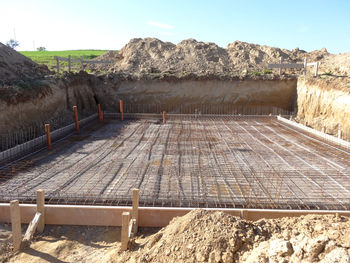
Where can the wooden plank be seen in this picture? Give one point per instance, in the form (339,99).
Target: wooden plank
(31,230)
(61,59)
(125,231)
(81,60)
(135,207)
(40,208)
(280,68)
(97,62)
(311,64)
(283,66)
(316,69)
(148,216)
(16,225)
(131,230)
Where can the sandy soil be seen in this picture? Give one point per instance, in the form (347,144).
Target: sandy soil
(152,56)
(200,236)
(325,104)
(67,244)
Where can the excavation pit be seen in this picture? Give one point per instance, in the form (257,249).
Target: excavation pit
(217,161)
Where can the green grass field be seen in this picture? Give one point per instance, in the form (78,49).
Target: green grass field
(47,57)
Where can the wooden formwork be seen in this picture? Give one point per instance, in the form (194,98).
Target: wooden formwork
(148,216)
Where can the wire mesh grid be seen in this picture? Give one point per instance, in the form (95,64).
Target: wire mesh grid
(222,161)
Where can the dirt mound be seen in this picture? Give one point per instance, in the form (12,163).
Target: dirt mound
(199,236)
(336,64)
(14,66)
(152,56)
(203,236)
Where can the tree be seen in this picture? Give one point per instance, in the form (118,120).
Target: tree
(41,49)
(12,43)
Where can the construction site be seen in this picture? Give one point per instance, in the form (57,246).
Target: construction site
(189,161)
(135,150)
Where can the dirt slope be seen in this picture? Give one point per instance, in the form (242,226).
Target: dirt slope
(151,55)
(14,66)
(325,103)
(199,236)
(203,236)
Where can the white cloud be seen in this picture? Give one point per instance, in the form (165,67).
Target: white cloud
(303,28)
(161,25)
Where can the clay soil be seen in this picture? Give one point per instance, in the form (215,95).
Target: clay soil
(199,236)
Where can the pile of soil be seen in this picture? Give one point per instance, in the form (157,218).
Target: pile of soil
(14,66)
(204,236)
(153,56)
(200,236)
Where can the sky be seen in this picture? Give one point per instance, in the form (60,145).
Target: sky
(108,24)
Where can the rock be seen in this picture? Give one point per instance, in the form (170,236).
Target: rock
(190,246)
(308,248)
(227,257)
(258,254)
(338,255)
(215,256)
(280,248)
(316,246)
(201,257)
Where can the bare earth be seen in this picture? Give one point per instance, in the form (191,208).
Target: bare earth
(152,56)
(14,66)
(200,236)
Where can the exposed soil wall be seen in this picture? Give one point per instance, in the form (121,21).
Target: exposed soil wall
(55,98)
(275,93)
(324,103)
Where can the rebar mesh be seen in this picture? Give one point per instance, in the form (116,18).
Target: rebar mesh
(222,161)
(206,108)
(36,129)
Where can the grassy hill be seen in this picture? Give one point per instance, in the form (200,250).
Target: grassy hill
(47,57)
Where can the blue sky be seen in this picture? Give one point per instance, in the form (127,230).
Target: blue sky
(108,24)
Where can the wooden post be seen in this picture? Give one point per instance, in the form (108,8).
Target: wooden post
(244,214)
(305,66)
(323,129)
(339,134)
(32,227)
(135,207)
(164,117)
(121,110)
(40,208)
(100,114)
(81,62)
(16,225)
(316,69)
(125,231)
(69,63)
(280,70)
(48,136)
(75,109)
(58,64)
